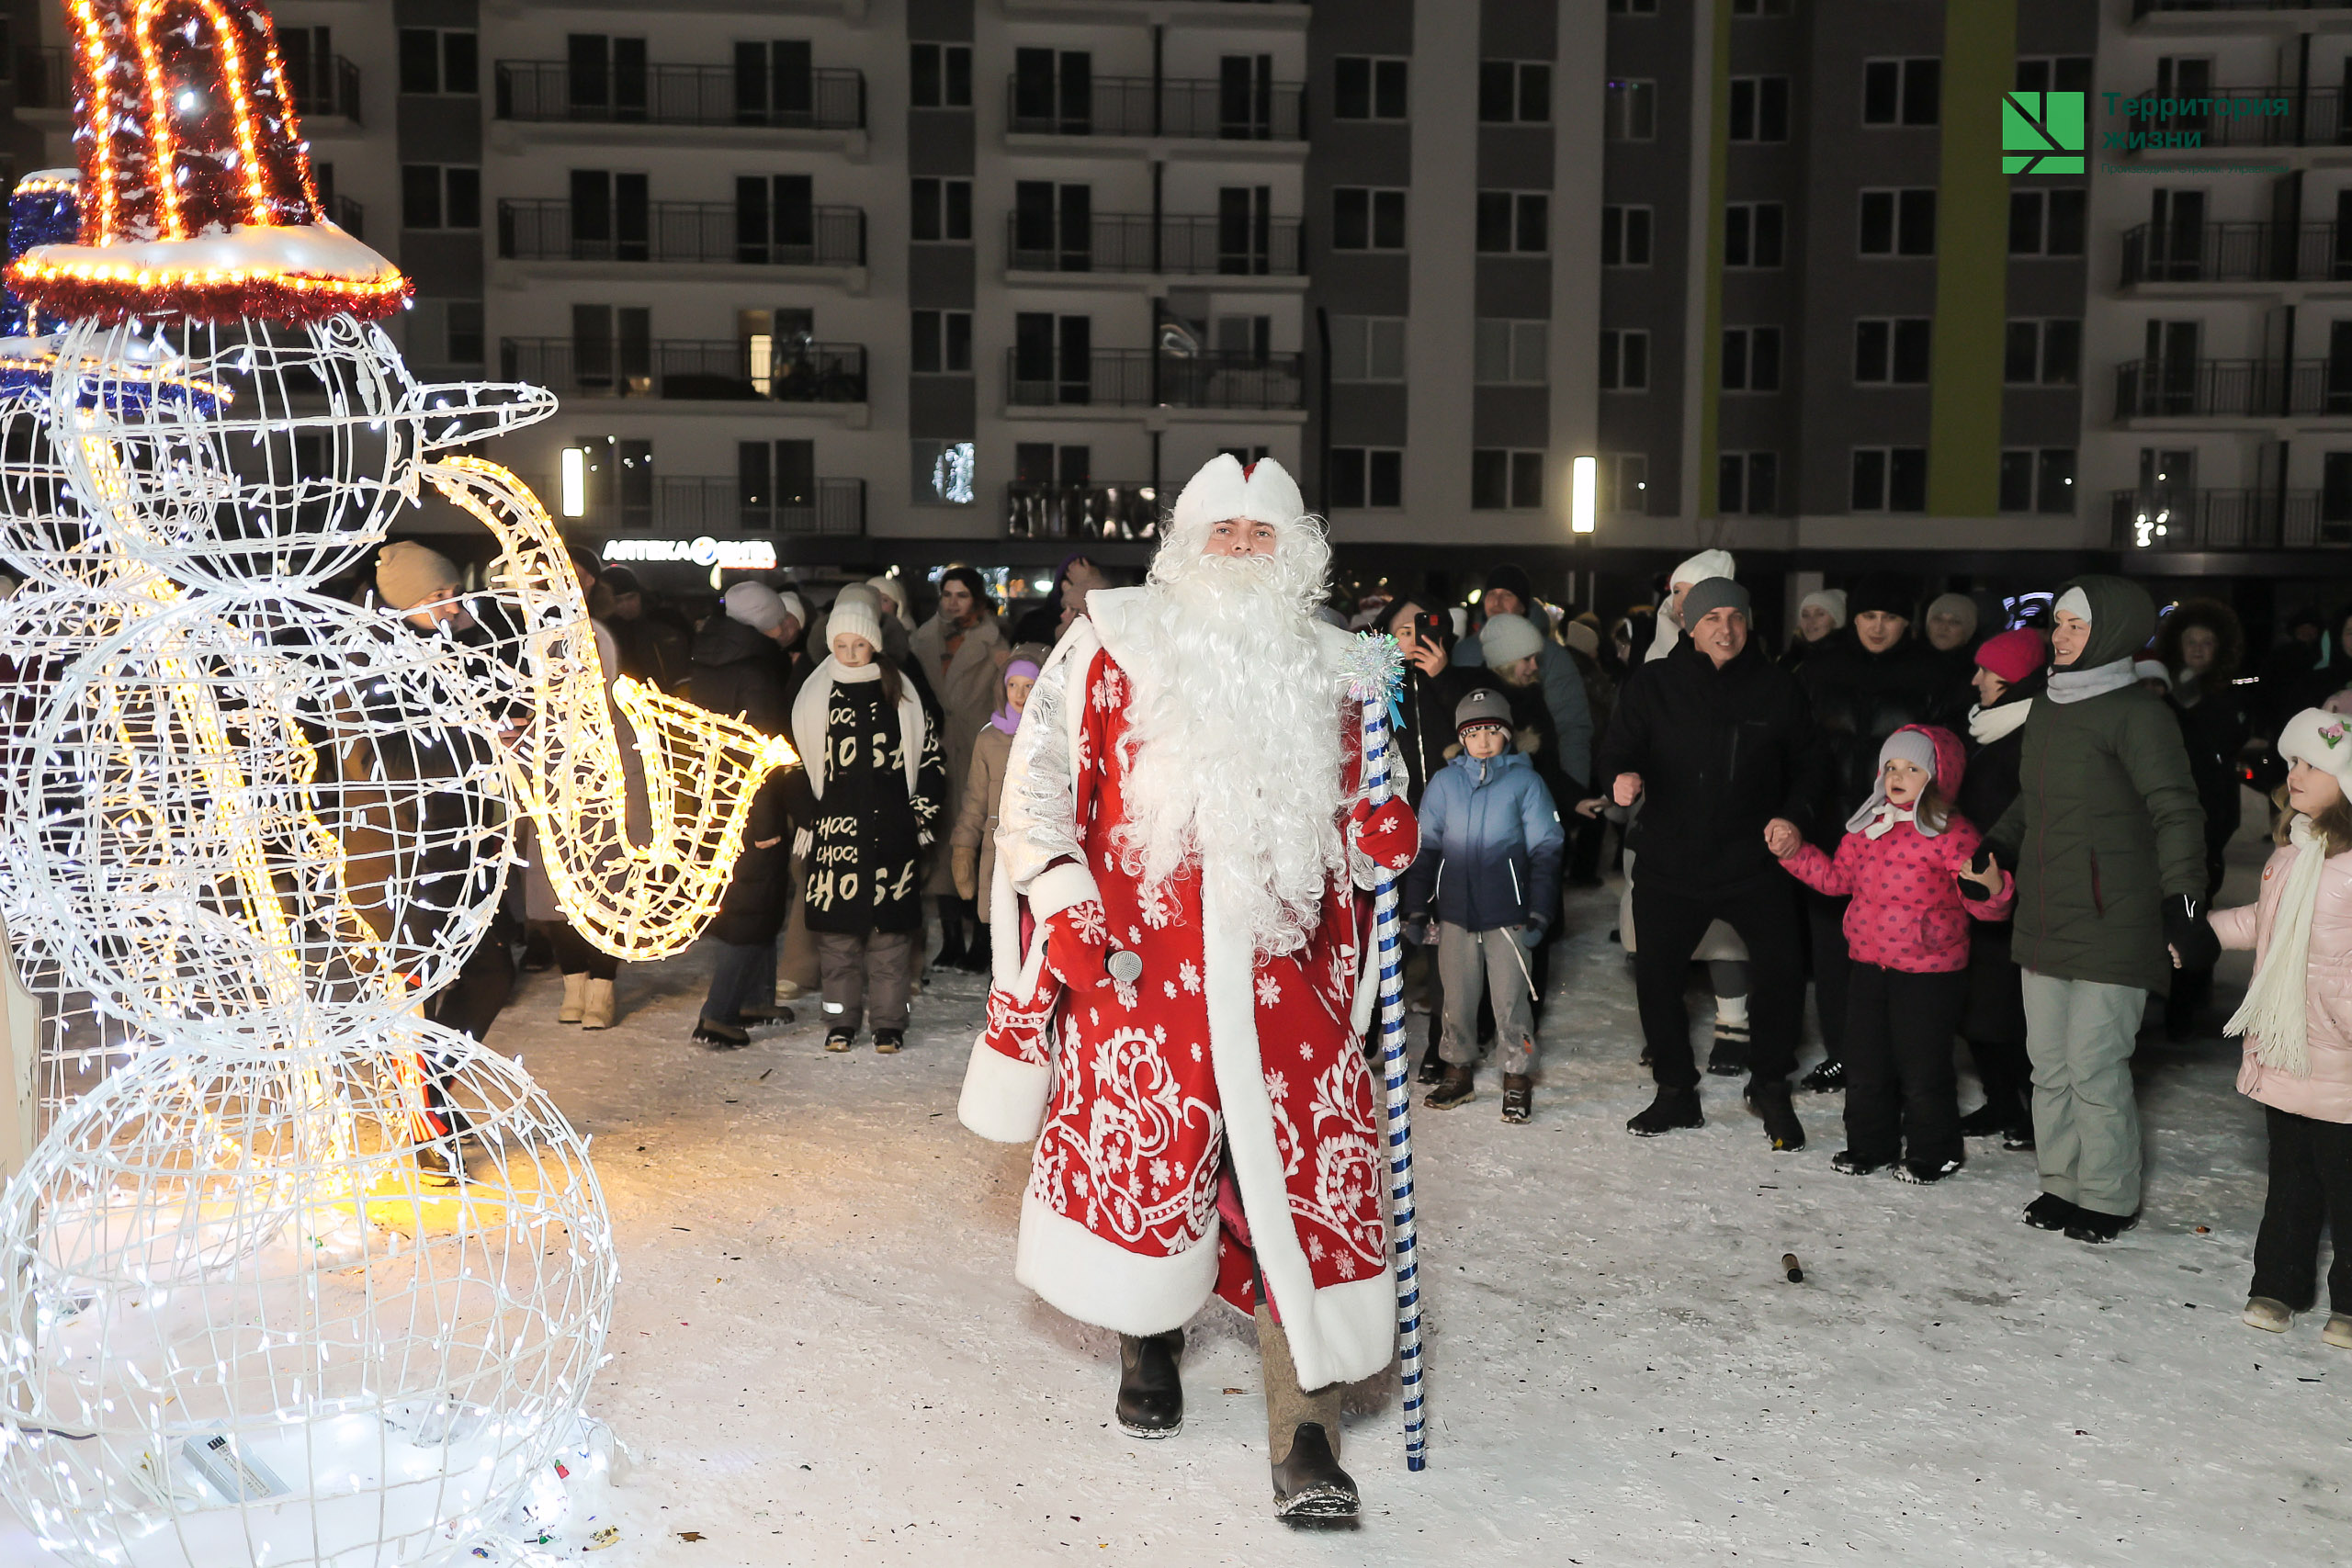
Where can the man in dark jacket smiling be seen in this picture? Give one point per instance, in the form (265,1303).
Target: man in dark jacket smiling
(1718,738)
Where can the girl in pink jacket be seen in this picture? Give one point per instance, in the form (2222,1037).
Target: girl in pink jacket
(2297,1021)
(1907,931)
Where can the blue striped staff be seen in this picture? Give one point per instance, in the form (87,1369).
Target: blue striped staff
(1375,680)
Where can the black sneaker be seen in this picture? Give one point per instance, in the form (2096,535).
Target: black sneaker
(1846,1162)
(1519,1097)
(840,1039)
(1993,1116)
(1770,1102)
(2091,1225)
(2049,1212)
(890,1041)
(1826,1079)
(2018,1137)
(1460,1087)
(1921,1173)
(1728,1057)
(1673,1109)
(721,1036)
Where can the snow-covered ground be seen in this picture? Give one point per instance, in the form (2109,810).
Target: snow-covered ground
(821,1356)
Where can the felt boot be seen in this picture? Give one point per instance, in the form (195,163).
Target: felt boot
(596,1006)
(575,996)
(1302,1435)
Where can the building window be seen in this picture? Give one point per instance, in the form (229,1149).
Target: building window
(1629,113)
(943,472)
(1759,109)
(1624,361)
(1625,236)
(2039,480)
(2042,353)
(2048,222)
(1515,91)
(1747,483)
(1633,7)
(1625,484)
(1890,479)
(1752,233)
(1751,359)
(943,342)
(1364,220)
(1367,348)
(1892,353)
(1512,354)
(1365,477)
(942,210)
(1363,87)
(1759,8)
(1898,222)
(462,332)
(940,76)
(440,196)
(1503,480)
(436,60)
(1517,220)
(1901,92)
(2055,74)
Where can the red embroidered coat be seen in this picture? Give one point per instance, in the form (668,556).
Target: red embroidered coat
(1135,1093)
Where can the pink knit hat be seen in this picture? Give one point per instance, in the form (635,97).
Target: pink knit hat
(2014,655)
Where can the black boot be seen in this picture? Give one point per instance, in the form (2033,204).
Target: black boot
(1151,1397)
(951,933)
(1432,1066)
(1728,1057)
(1826,1079)
(1673,1108)
(1770,1102)
(1303,1436)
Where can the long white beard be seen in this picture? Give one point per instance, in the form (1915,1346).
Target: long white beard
(1234,744)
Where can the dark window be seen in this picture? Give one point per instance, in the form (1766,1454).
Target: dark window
(1367,219)
(1906,479)
(942,209)
(1364,477)
(460,60)
(1901,92)
(1364,88)
(1515,90)
(2026,225)
(940,75)
(465,332)
(2062,353)
(1872,342)
(2022,353)
(2054,481)
(1514,220)
(1868,490)
(1763,481)
(435,196)
(2069,211)
(420,59)
(2017,481)
(1633,7)
(1624,361)
(1911,352)
(1759,109)
(1751,359)
(1914,223)
(1625,236)
(1526,480)
(1752,233)
(1489,479)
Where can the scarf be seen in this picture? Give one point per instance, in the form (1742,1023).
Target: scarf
(1007,719)
(1989,724)
(1883,820)
(2272,1014)
(2075,685)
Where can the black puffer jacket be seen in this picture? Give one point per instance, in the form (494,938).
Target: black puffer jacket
(739,672)
(1721,752)
(1858,698)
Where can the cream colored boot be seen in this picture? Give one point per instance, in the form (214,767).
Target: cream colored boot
(1302,1435)
(575,996)
(596,1012)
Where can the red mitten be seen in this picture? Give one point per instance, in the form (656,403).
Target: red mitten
(1077,940)
(1387,834)
(1016,1026)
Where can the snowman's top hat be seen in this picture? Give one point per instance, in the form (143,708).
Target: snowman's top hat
(197,196)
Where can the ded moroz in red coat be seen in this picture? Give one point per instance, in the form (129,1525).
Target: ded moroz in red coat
(1134,1093)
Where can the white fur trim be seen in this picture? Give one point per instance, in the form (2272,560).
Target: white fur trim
(1332,1338)
(1367,972)
(1004,1100)
(1102,1282)
(1060,887)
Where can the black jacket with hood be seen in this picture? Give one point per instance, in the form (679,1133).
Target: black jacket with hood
(738,672)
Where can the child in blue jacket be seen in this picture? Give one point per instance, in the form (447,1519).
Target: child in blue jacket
(1490,864)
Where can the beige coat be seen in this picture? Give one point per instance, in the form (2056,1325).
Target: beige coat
(969,688)
(974,845)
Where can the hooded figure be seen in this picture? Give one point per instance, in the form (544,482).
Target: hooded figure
(2108,842)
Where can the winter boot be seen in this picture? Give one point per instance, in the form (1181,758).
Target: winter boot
(721,1036)
(2019,1135)
(1826,1079)
(1460,1088)
(1151,1395)
(441,1163)
(840,1039)
(1770,1102)
(1998,1114)
(2268,1313)
(575,997)
(1302,1435)
(2338,1331)
(1519,1097)
(2049,1212)
(1673,1108)
(1728,1058)
(2094,1227)
(951,933)
(1846,1162)
(1925,1172)
(596,1008)
(1432,1066)
(890,1041)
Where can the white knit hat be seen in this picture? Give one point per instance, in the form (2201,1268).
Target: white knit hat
(407,574)
(892,592)
(794,607)
(854,618)
(2322,739)
(1262,493)
(1507,639)
(2151,669)
(755,604)
(1830,599)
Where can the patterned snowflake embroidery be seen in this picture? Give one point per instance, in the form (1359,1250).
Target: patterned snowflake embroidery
(1135,936)
(1159,1173)
(1269,990)
(1314,1249)
(1345,1263)
(1277,1087)
(1169,987)
(1190,974)
(1089,922)
(1306,1052)
(1196,1050)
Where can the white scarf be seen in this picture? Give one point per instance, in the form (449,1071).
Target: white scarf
(1883,820)
(2272,1014)
(2074,686)
(810,710)
(1989,724)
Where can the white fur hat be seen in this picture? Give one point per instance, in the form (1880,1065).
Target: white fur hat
(2320,738)
(1261,493)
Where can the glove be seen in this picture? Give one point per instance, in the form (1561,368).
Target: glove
(1078,939)
(1387,834)
(1531,935)
(1416,929)
(1016,1026)
(2189,935)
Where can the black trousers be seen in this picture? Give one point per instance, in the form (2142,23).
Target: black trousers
(1832,968)
(2311,1190)
(1670,925)
(1901,1090)
(575,955)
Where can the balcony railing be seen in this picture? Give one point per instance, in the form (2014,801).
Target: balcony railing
(2237,253)
(324,86)
(691,507)
(1138,379)
(1081,511)
(2226,520)
(1132,242)
(2151,7)
(683,231)
(44,78)
(543,91)
(1131,106)
(722,371)
(2256,389)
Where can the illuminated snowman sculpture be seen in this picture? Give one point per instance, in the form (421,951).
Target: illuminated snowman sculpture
(252,828)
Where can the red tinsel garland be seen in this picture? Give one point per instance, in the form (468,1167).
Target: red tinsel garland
(283,298)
